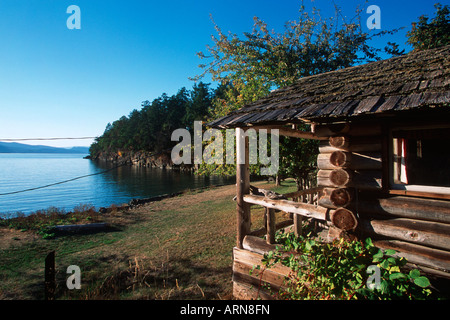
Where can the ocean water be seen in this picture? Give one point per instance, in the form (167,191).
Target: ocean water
(117,186)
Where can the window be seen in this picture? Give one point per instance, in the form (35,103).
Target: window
(421,160)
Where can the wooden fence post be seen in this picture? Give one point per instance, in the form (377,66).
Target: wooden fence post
(50,281)
(298,225)
(271,227)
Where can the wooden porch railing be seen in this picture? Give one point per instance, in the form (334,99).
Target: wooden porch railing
(305,208)
(244,199)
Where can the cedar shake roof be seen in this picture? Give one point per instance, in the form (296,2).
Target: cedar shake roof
(418,80)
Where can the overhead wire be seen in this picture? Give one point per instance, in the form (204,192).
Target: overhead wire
(65,181)
(35,139)
(60,182)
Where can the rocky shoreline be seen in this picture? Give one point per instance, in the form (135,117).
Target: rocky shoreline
(161,160)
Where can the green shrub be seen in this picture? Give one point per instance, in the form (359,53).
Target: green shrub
(344,270)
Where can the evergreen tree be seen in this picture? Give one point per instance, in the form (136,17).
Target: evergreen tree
(150,129)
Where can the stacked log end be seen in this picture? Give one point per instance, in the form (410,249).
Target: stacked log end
(334,198)
(349,160)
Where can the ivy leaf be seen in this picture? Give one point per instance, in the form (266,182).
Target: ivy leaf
(308,245)
(414,274)
(384,264)
(378,256)
(390,252)
(422,282)
(391,260)
(394,269)
(369,243)
(402,261)
(397,275)
(384,287)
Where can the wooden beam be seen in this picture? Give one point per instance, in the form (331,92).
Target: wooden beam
(406,207)
(299,193)
(334,178)
(423,194)
(242,187)
(425,233)
(420,255)
(339,129)
(257,245)
(340,142)
(250,282)
(284,131)
(351,144)
(304,209)
(300,134)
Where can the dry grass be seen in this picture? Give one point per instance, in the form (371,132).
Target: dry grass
(176,248)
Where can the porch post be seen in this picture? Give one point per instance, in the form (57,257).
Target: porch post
(242,186)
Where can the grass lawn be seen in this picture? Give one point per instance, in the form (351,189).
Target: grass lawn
(177,248)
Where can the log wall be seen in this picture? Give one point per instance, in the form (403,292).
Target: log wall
(354,170)
(355,202)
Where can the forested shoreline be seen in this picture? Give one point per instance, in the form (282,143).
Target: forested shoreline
(150,128)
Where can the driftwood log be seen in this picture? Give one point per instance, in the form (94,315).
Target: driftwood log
(81,228)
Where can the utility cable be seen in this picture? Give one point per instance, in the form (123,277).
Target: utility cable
(32,139)
(65,181)
(61,182)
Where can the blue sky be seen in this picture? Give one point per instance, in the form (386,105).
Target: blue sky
(57,82)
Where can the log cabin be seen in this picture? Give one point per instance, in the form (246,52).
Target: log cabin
(383,164)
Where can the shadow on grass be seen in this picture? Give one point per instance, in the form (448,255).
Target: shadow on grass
(83,229)
(175,279)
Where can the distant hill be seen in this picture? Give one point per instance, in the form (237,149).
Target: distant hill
(14,147)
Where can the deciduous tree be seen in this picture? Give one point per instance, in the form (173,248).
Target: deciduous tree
(249,67)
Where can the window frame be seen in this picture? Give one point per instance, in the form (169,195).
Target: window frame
(392,185)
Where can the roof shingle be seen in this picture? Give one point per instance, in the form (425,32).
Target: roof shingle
(416,80)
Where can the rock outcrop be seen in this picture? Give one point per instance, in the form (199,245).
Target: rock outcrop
(160,160)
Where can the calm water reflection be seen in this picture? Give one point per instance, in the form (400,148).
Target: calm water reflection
(117,186)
